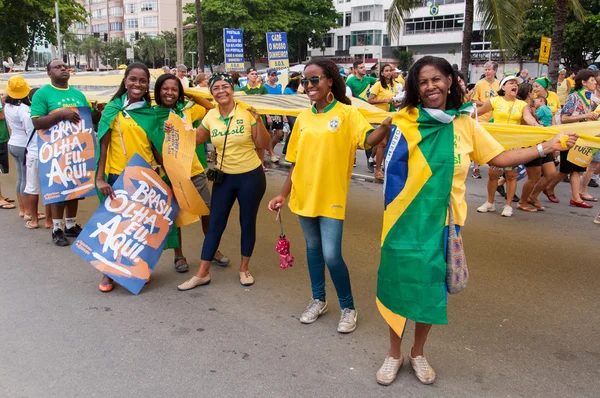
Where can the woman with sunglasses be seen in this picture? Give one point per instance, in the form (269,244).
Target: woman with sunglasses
(321,150)
(168,94)
(238,175)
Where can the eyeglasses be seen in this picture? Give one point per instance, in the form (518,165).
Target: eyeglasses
(313,80)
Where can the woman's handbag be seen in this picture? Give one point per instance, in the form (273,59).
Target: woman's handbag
(457,273)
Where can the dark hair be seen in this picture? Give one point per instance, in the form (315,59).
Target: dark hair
(294,81)
(31,93)
(524,90)
(543,99)
(413,98)
(235,78)
(17,101)
(158,85)
(48,64)
(122,90)
(381,78)
(583,76)
(331,70)
(357,62)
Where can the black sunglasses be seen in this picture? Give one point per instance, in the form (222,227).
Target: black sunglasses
(313,80)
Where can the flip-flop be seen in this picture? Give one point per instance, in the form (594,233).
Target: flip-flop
(528,209)
(9,200)
(536,204)
(29,226)
(41,216)
(7,206)
(588,199)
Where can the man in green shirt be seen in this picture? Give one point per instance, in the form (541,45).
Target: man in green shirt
(360,83)
(58,95)
(4,136)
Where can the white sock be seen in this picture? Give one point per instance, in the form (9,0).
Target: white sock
(58,224)
(70,222)
(371,159)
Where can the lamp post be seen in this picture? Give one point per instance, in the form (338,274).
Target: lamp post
(193,65)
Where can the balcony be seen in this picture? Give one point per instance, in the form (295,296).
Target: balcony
(440,2)
(342,53)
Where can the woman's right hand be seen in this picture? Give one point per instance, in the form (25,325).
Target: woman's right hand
(105,189)
(168,127)
(276,203)
(592,116)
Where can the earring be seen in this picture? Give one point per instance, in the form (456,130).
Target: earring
(448,91)
(332,97)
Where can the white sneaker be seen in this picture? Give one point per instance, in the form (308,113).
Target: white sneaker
(313,311)
(507,211)
(423,371)
(347,321)
(388,371)
(274,158)
(597,219)
(486,207)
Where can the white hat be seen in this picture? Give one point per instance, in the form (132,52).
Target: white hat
(509,78)
(397,70)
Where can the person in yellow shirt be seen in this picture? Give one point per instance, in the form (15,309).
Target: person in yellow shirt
(541,88)
(168,94)
(126,128)
(563,86)
(571,80)
(382,96)
(321,150)
(485,89)
(238,175)
(398,78)
(507,109)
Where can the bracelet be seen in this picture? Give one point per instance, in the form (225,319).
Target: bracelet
(540,149)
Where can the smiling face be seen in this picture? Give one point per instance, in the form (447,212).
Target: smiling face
(511,88)
(433,87)
(321,89)
(136,84)
(222,92)
(169,93)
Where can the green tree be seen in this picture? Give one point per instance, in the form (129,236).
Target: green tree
(171,43)
(72,46)
(117,48)
(150,49)
(405,58)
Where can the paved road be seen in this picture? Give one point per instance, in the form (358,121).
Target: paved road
(528,324)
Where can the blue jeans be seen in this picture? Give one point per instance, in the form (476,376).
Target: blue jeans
(324,246)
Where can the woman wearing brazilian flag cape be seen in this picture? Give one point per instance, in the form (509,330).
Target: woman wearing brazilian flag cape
(432,142)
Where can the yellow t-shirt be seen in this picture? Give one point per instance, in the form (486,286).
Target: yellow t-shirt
(502,108)
(562,91)
(240,156)
(483,91)
(400,80)
(553,102)
(471,142)
(191,115)
(135,141)
(323,146)
(572,81)
(381,93)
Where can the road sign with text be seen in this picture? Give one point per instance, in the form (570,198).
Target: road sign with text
(277,49)
(545,50)
(233,40)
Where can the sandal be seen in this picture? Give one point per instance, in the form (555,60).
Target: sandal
(181,268)
(526,208)
(588,199)
(536,204)
(105,288)
(7,206)
(41,216)
(379,176)
(9,200)
(29,226)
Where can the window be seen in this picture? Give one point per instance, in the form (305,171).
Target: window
(437,24)
(364,16)
(100,13)
(340,20)
(340,43)
(97,1)
(131,23)
(347,45)
(149,5)
(438,2)
(328,40)
(386,40)
(79,26)
(348,19)
(130,8)
(149,22)
(366,38)
(115,11)
(386,15)
(116,26)
(99,28)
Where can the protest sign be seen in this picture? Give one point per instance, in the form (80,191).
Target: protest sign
(125,237)
(277,50)
(66,153)
(233,40)
(179,150)
(581,155)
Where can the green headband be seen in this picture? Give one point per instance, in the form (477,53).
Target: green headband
(543,81)
(219,77)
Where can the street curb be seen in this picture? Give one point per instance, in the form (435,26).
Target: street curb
(355,176)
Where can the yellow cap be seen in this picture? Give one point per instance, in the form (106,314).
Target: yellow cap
(17,87)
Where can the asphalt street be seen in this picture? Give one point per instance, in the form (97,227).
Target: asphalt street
(527,325)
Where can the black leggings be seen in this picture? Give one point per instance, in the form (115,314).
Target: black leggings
(248,188)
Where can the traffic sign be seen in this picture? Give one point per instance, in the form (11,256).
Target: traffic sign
(545,50)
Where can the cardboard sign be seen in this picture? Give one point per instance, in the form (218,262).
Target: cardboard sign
(125,237)
(66,153)
(581,155)
(233,41)
(179,150)
(277,50)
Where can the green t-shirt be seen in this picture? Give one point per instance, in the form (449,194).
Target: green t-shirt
(3,129)
(360,87)
(49,98)
(260,89)
(544,113)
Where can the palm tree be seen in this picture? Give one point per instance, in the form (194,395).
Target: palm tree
(199,37)
(72,47)
(560,20)
(149,49)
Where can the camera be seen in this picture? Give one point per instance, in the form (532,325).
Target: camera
(215,175)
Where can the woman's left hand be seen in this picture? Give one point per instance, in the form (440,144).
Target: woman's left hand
(555,143)
(254,114)
(387,123)
(168,127)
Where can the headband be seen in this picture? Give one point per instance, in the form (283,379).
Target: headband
(219,77)
(543,81)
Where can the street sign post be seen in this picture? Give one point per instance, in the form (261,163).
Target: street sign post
(545,45)
(233,40)
(277,50)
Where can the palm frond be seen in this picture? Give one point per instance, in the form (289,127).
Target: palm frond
(399,10)
(504,18)
(578,10)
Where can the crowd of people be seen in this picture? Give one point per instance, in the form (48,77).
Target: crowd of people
(321,147)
